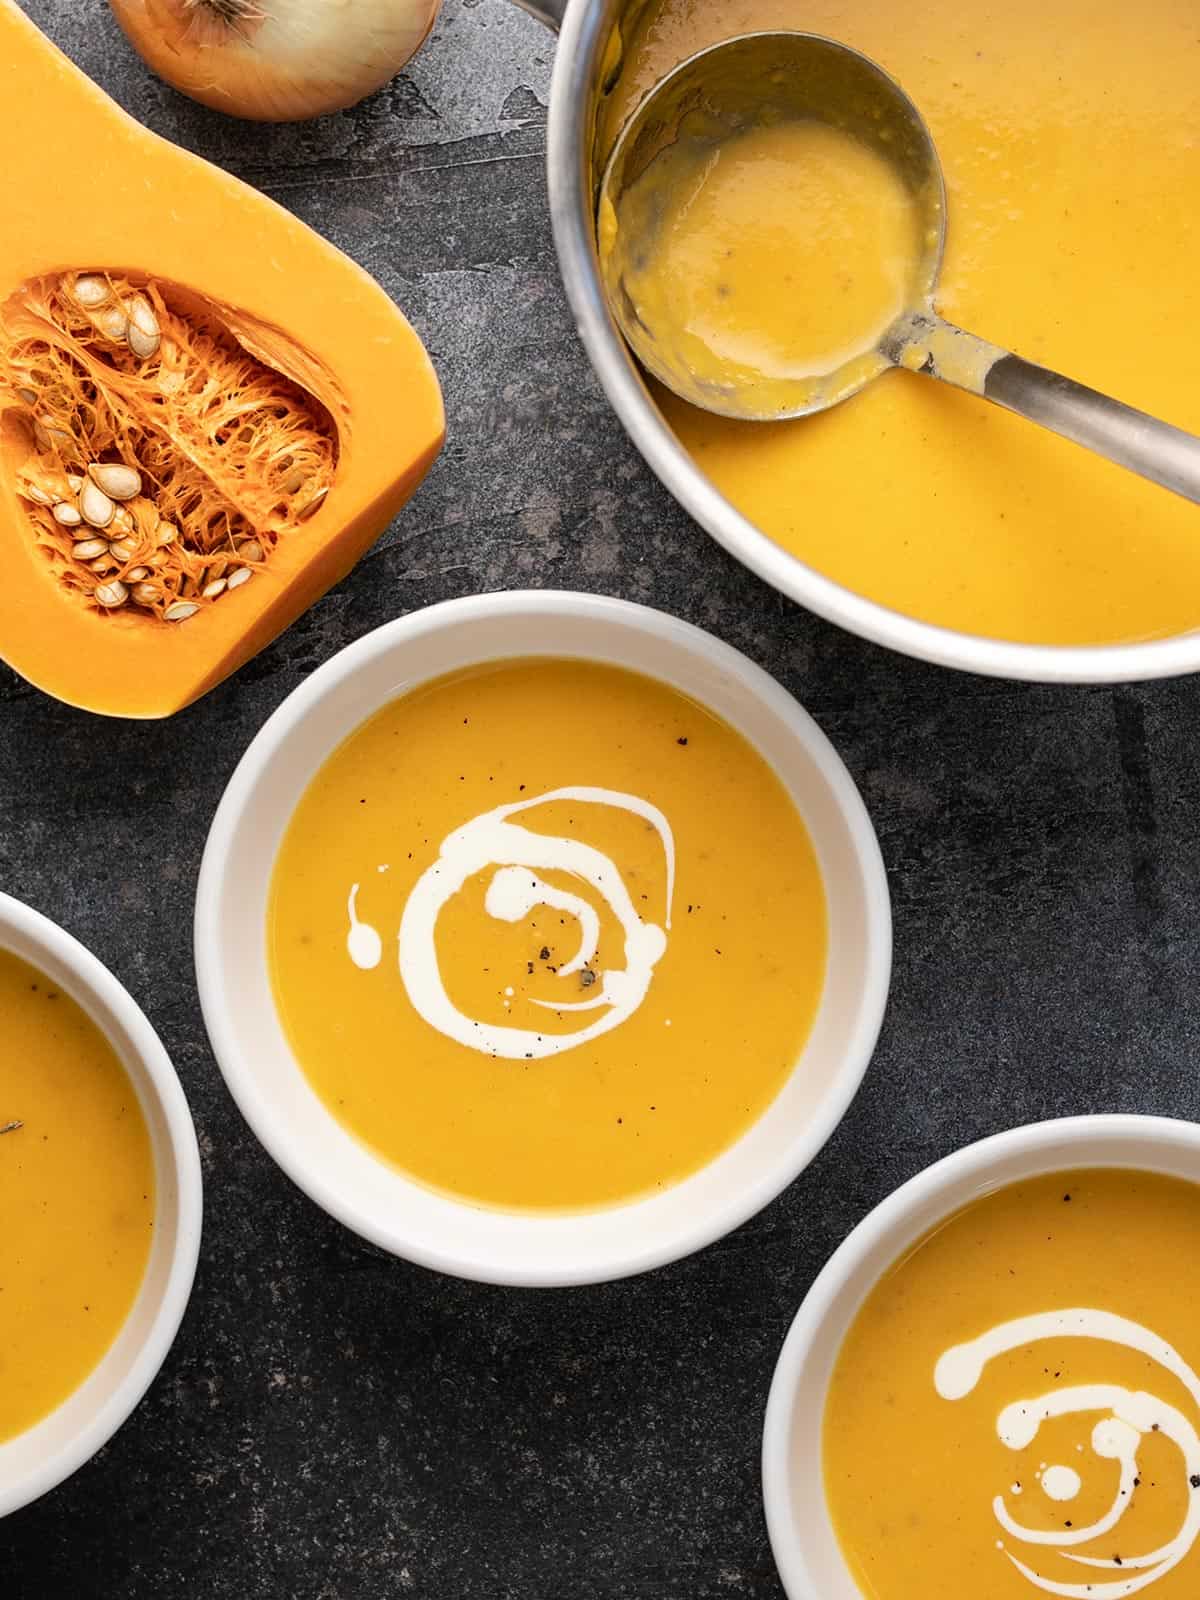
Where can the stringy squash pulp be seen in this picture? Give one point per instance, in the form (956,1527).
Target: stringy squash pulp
(196,391)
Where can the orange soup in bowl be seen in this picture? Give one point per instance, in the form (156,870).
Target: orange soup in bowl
(77,1195)
(547,934)
(1015,1411)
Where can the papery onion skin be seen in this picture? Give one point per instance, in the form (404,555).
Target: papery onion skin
(276,60)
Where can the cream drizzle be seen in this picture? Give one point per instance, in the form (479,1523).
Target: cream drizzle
(363,944)
(1061,1483)
(1131,1415)
(514,892)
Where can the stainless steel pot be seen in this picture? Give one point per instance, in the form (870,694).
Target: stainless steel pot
(586,67)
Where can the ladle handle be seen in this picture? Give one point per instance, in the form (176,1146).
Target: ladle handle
(1153,449)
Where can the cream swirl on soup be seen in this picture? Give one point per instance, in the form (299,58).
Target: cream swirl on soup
(516,890)
(1015,1408)
(1128,1416)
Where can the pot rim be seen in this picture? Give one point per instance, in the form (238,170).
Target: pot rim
(582,40)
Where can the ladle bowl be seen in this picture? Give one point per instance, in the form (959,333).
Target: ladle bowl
(712,97)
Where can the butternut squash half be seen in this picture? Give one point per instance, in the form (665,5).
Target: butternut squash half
(207,413)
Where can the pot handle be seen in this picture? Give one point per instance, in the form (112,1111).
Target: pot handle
(548,11)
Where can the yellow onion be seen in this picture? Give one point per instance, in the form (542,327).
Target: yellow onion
(276,60)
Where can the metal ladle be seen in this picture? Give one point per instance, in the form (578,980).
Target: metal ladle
(763,77)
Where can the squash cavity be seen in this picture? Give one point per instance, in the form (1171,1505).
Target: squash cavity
(171,443)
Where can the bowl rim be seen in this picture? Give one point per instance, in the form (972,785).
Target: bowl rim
(256,1105)
(95,985)
(582,42)
(1069,1138)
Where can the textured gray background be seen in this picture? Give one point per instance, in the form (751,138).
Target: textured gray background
(332,1423)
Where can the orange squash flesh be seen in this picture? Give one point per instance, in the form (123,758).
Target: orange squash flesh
(157,214)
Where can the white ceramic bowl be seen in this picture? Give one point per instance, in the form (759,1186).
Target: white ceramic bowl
(339,1172)
(802,1537)
(52,1449)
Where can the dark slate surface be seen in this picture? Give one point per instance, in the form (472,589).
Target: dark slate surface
(332,1423)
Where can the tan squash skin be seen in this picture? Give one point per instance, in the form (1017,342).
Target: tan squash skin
(172,217)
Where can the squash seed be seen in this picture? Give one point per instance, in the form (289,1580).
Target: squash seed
(66,515)
(112,594)
(167,534)
(113,323)
(251,550)
(241,576)
(105,564)
(122,520)
(147,594)
(48,435)
(124,549)
(142,345)
(142,317)
(95,505)
(89,549)
(311,507)
(213,591)
(91,291)
(28,395)
(180,611)
(143,335)
(136,574)
(117,481)
(38,496)
(74,482)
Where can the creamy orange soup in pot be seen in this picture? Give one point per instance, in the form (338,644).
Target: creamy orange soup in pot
(1070,135)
